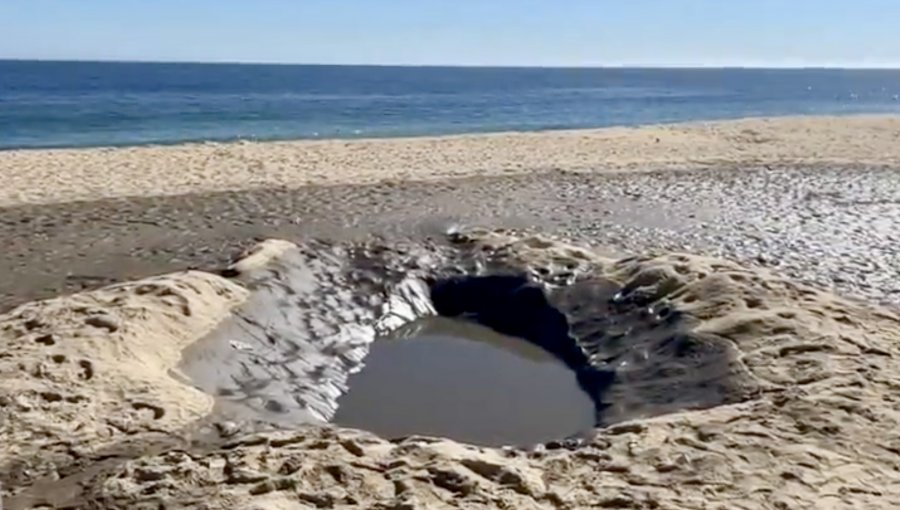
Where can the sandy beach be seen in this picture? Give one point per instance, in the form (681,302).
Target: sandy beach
(48,176)
(816,198)
(789,402)
(756,259)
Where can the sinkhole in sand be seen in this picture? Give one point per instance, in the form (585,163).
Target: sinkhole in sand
(452,378)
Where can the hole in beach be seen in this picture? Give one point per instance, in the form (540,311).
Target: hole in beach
(452,378)
(496,367)
(506,361)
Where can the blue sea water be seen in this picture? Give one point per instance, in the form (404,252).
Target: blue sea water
(62,104)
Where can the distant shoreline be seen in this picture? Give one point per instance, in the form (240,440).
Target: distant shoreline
(373,138)
(49,104)
(36,176)
(427,136)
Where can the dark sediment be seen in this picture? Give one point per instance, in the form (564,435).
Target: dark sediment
(833,226)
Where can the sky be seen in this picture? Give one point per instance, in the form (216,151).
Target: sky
(752,33)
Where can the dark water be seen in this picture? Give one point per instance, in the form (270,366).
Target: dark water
(464,381)
(48,104)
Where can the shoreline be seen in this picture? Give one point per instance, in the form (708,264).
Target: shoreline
(199,142)
(35,176)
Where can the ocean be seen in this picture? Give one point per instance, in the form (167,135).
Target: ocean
(84,104)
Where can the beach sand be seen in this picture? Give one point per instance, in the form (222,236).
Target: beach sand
(773,246)
(799,408)
(47,176)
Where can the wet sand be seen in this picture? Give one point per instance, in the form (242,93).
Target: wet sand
(831,225)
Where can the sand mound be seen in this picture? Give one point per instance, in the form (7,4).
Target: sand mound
(805,418)
(84,374)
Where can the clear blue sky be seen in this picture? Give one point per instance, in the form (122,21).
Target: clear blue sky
(478,32)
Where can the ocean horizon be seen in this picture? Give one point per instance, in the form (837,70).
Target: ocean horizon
(53,104)
(788,67)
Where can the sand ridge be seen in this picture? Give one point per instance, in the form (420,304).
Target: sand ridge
(83,373)
(818,430)
(61,175)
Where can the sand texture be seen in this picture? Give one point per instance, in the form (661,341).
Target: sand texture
(85,375)
(46,176)
(807,414)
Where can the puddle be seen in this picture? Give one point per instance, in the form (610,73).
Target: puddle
(450,378)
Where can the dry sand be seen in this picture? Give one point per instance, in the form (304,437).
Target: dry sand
(818,430)
(83,373)
(45,176)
